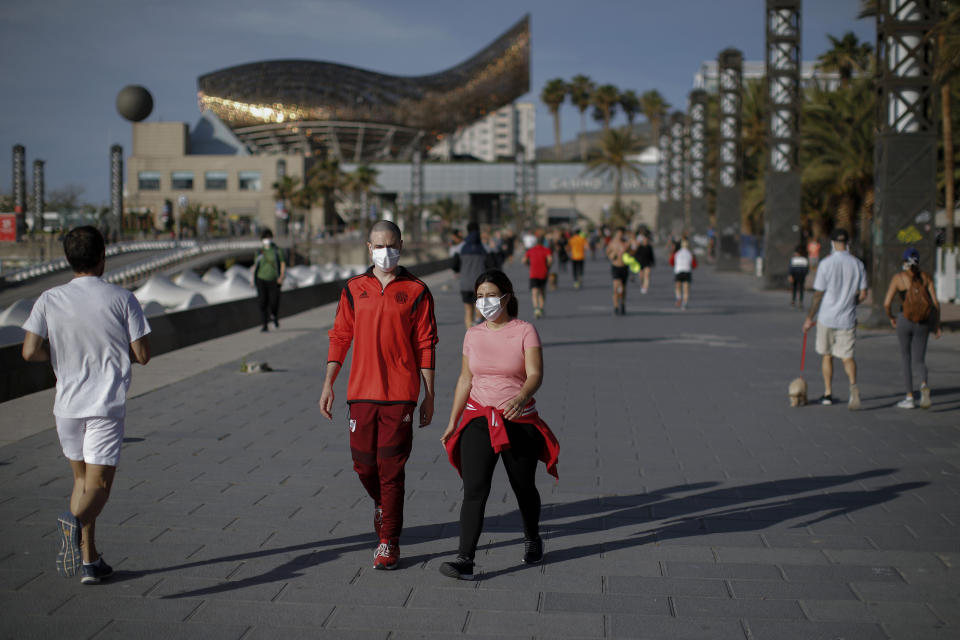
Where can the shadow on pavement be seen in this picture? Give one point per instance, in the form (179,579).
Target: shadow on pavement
(690,515)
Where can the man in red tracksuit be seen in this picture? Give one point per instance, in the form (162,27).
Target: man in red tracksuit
(388,314)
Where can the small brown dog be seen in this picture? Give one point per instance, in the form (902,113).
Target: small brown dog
(798,392)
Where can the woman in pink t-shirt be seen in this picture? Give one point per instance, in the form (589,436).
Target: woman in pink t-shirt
(494,416)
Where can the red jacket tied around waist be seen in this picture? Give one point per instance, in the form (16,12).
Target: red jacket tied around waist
(498,433)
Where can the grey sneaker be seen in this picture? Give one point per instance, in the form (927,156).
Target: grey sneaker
(854,402)
(68,558)
(925,397)
(906,403)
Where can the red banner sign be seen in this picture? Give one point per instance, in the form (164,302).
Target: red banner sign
(8,227)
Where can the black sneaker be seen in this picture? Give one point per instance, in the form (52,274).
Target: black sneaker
(827,399)
(94,573)
(460,569)
(532,550)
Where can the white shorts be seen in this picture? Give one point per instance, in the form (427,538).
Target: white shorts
(836,342)
(92,440)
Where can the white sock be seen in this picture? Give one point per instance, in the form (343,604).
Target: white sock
(94,564)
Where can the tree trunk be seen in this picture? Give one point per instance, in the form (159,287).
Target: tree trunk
(947,117)
(866,227)
(583,131)
(556,136)
(844,219)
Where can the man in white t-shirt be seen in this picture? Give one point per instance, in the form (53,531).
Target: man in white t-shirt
(90,331)
(840,285)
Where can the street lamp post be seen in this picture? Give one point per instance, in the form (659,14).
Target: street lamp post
(699,218)
(905,154)
(664,205)
(677,172)
(730,70)
(116,189)
(782,199)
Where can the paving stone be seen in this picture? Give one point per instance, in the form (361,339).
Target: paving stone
(780,590)
(655,627)
(726,608)
(363,618)
(722,570)
(551,625)
(666,586)
(843,574)
(790,630)
(554,602)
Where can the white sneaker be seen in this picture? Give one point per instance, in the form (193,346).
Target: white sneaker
(906,403)
(925,397)
(853,404)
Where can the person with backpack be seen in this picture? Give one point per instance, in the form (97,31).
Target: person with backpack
(919,313)
(267,274)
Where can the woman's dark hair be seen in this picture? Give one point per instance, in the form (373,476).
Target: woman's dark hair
(83,247)
(801,249)
(266,233)
(499,278)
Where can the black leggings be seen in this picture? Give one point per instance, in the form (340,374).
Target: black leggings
(268,293)
(799,276)
(577,269)
(477,462)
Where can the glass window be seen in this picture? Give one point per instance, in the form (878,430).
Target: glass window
(248,180)
(148,181)
(181,180)
(215,180)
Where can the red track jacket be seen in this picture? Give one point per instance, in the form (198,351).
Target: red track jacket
(395,336)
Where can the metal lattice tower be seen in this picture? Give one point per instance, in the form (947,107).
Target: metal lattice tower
(19,185)
(782,200)
(416,189)
(116,188)
(39,192)
(677,172)
(905,154)
(699,218)
(664,206)
(730,63)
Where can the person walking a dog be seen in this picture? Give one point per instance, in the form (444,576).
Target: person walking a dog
(387,314)
(91,332)
(840,285)
(919,315)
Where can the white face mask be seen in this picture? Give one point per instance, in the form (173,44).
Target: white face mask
(489,308)
(266,243)
(386,258)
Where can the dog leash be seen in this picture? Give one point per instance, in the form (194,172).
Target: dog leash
(803,354)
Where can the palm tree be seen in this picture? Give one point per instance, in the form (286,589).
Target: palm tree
(846,56)
(449,210)
(360,182)
(284,190)
(553,95)
(325,181)
(614,159)
(630,103)
(580,88)
(604,100)
(837,149)
(754,139)
(654,107)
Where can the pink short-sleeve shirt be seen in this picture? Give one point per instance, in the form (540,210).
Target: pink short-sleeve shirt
(496,360)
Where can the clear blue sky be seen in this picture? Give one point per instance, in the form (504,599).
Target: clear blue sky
(64,61)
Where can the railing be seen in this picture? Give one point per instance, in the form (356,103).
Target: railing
(182,249)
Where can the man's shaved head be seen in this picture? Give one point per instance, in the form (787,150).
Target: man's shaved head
(384,225)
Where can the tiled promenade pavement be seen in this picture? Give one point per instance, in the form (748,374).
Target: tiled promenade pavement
(692,502)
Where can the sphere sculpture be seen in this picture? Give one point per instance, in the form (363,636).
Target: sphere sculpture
(134,103)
